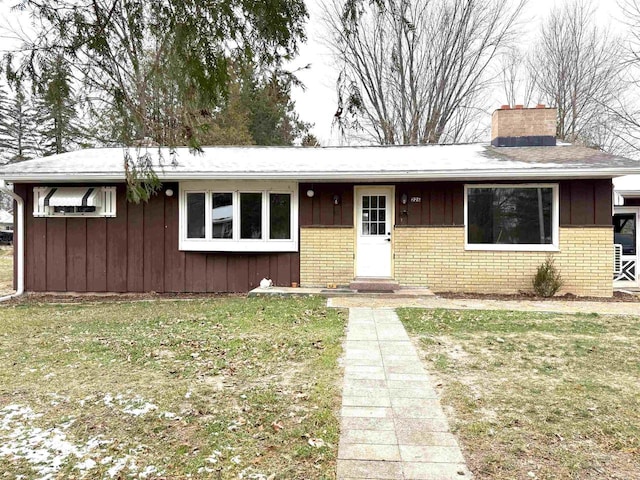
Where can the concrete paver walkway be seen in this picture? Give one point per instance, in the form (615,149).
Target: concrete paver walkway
(392,425)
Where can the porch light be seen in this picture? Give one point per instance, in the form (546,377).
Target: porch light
(404,198)
(310,193)
(336,199)
(168,192)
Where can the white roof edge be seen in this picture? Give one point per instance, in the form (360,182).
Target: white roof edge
(343,176)
(628,193)
(62,178)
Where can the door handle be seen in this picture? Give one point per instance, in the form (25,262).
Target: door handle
(387,239)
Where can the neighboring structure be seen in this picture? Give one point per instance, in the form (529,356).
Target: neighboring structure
(6,220)
(6,228)
(463,218)
(625,230)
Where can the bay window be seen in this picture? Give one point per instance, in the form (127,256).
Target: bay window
(511,217)
(243,216)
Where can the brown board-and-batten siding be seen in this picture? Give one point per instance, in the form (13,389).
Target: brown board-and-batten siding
(136,251)
(430,204)
(586,203)
(320,210)
(583,203)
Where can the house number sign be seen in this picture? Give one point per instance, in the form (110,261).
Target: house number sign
(416,199)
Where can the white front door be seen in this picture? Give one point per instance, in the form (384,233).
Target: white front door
(625,233)
(374,216)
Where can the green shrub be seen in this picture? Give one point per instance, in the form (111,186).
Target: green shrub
(547,280)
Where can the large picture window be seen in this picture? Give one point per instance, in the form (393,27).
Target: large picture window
(250,216)
(511,217)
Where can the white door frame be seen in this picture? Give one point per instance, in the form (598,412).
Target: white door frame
(386,268)
(628,258)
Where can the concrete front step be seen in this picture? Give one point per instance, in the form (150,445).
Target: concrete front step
(366,285)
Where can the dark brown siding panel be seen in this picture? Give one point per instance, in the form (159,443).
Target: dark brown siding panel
(195,272)
(284,271)
(585,202)
(154,227)
(37,256)
(96,254)
(237,273)
(295,268)
(135,247)
(305,206)
(261,269)
(441,203)
(77,254)
(581,203)
(321,210)
(327,208)
(56,233)
(174,259)
(346,210)
(632,202)
(565,203)
(457,204)
(117,245)
(437,205)
(418,210)
(603,193)
(217,273)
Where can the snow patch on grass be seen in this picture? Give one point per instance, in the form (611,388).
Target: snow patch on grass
(137,410)
(135,406)
(46,449)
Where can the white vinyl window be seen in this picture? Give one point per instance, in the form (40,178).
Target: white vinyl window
(512,217)
(74,201)
(247,216)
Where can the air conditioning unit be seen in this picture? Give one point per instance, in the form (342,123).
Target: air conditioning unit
(74,202)
(617,259)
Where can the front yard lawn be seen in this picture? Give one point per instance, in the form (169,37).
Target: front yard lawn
(217,388)
(537,396)
(6,270)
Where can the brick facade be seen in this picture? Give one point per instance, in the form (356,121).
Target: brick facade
(326,256)
(435,257)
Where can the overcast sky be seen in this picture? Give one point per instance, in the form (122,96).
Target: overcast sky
(317,103)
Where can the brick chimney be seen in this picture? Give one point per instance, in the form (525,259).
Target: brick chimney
(523,127)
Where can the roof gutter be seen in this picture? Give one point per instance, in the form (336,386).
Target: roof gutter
(345,176)
(18,254)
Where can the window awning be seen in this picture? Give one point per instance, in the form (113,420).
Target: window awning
(71,197)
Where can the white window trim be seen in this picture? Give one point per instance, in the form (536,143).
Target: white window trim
(237,244)
(522,247)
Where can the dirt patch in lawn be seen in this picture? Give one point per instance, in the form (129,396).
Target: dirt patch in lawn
(216,388)
(538,396)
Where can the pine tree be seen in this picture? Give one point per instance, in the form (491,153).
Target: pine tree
(5,136)
(274,120)
(19,126)
(55,110)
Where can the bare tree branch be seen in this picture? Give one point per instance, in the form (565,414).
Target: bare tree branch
(576,68)
(413,72)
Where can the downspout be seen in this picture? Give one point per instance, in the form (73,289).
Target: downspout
(19,253)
